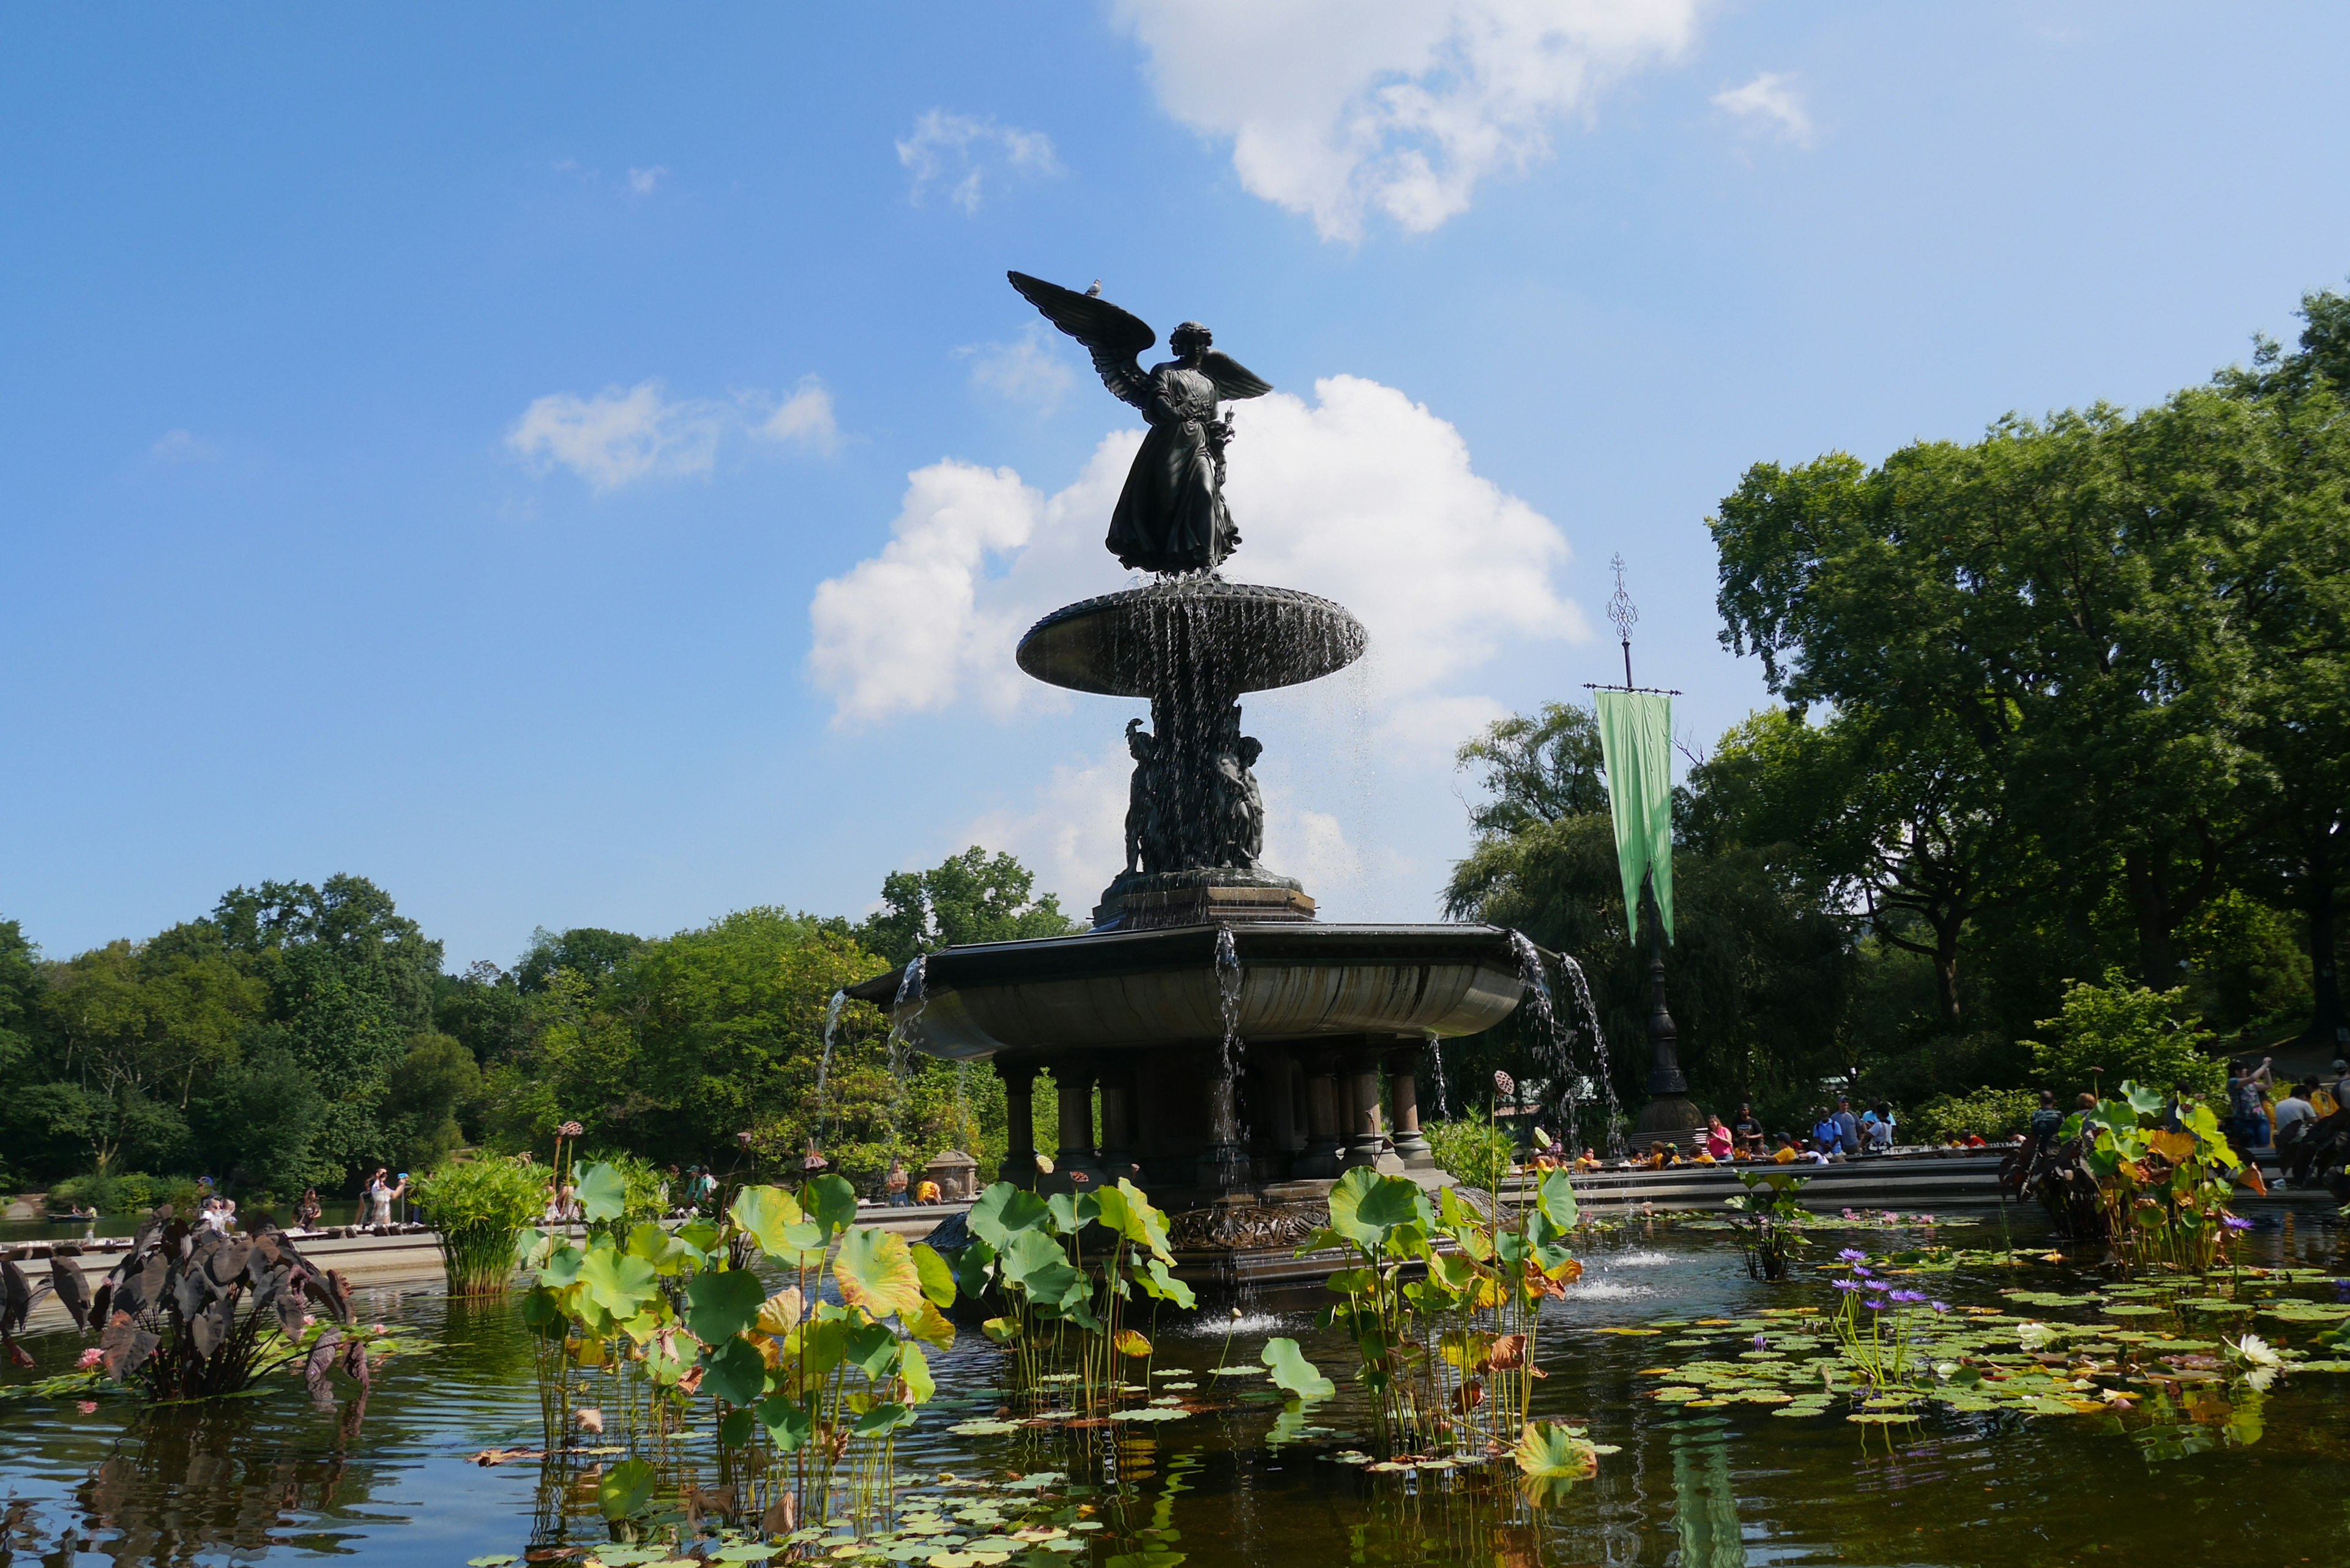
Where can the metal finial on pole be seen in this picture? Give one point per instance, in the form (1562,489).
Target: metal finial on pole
(1625,614)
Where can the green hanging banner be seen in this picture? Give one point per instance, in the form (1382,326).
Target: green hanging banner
(1636,738)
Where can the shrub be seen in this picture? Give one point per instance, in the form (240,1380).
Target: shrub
(1994,1114)
(120,1193)
(2116,1030)
(1473,1149)
(480,1209)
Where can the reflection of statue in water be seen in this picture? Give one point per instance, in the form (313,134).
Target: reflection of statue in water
(1170,516)
(1142,828)
(1240,805)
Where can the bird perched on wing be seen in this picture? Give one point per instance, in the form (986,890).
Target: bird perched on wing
(1094,292)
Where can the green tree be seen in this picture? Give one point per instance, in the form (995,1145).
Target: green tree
(351,981)
(974,897)
(2116,1030)
(2033,609)
(436,1080)
(1756,972)
(2289,572)
(587,951)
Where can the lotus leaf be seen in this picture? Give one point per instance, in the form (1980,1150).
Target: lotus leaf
(763,1213)
(733,1371)
(830,1202)
(1549,1449)
(1294,1373)
(722,1306)
(603,1192)
(938,1279)
(788,1424)
(1003,1212)
(876,1271)
(1367,1208)
(625,1489)
(617,1282)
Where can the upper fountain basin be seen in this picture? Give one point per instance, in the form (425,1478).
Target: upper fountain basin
(1242,637)
(1121,989)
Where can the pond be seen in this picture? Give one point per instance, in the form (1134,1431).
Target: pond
(1704,1478)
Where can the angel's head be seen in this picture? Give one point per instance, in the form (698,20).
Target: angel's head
(1190,339)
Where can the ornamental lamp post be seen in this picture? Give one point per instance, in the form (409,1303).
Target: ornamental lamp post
(1635,731)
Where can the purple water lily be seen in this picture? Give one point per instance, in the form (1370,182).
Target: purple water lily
(1909,1298)
(2232,1223)
(1939,1307)
(1760,1343)
(1846,1284)
(1852,1255)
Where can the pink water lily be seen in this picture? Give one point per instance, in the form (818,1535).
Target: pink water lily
(89,1358)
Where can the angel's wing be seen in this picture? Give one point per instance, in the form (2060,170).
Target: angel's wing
(1233,379)
(1116,339)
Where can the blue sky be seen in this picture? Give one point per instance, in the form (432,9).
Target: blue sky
(428,435)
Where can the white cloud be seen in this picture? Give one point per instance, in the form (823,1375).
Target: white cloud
(1343,108)
(1032,371)
(615,438)
(181,446)
(643,182)
(956,149)
(1771,103)
(900,632)
(804,419)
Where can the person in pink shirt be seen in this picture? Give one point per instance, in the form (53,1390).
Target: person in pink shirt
(1717,1141)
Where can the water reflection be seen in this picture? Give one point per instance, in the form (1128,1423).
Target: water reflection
(1705,1504)
(186,1482)
(259,1479)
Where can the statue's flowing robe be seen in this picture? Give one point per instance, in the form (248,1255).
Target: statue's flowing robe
(1170,516)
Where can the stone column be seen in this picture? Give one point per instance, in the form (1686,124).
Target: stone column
(1365,1129)
(1275,1120)
(1403,1085)
(1323,1144)
(1224,1165)
(1074,1077)
(1019,1166)
(1117,1121)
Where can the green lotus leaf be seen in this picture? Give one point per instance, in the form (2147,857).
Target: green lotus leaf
(938,1279)
(733,1371)
(617,1282)
(876,1271)
(788,1425)
(1293,1371)
(1550,1449)
(720,1306)
(1003,1212)
(764,1212)
(625,1489)
(603,1192)
(1366,1207)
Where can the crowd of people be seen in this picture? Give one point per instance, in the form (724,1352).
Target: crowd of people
(2260,1111)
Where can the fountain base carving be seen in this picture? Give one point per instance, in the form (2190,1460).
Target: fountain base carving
(1148,901)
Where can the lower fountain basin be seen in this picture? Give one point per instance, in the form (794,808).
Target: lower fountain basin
(1120,991)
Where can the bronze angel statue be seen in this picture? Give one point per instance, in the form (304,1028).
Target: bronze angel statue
(1171,515)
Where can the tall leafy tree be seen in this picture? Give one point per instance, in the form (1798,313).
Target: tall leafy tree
(974,897)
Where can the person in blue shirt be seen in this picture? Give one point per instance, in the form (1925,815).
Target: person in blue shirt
(1847,1128)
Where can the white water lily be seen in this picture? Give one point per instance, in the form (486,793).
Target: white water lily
(2033,1335)
(1946,1370)
(2262,1359)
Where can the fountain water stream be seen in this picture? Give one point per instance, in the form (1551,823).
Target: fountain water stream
(1599,1050)
(823,1063)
